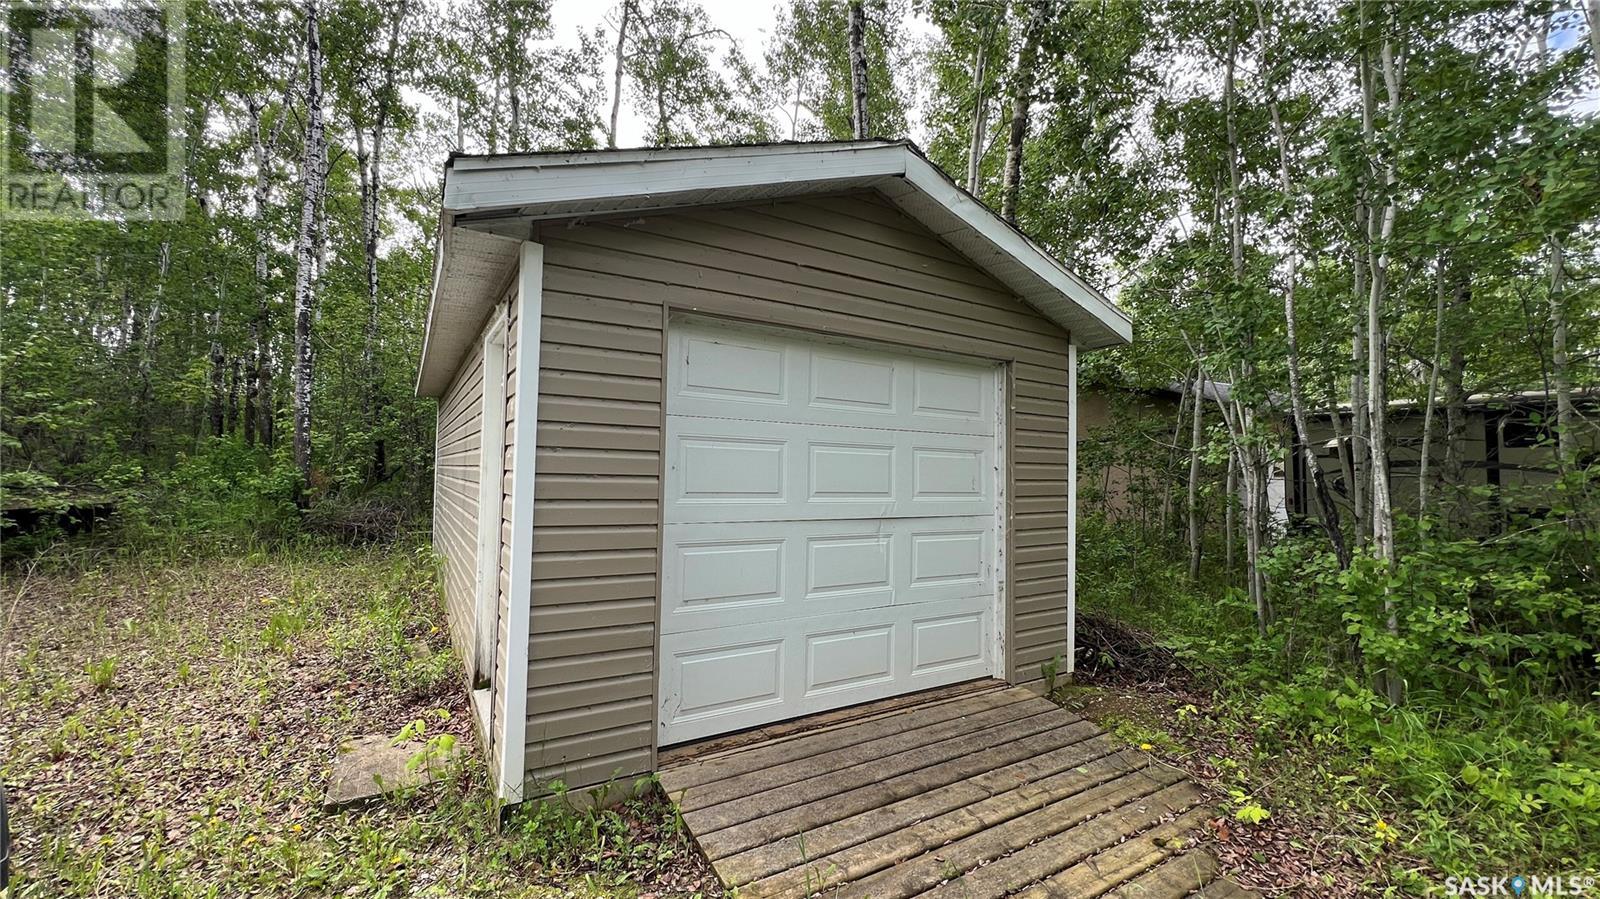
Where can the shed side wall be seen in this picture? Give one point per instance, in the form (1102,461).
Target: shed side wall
(850,266)
(456,471)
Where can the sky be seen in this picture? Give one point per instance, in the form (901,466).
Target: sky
(749,21)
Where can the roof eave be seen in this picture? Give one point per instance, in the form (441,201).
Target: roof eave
(478,189)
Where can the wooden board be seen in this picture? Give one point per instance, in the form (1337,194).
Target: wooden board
(964,793)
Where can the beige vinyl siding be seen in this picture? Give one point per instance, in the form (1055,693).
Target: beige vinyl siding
(456,471)
(851,266)
(847,266)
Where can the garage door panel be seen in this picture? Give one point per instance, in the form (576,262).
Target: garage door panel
(719,372)
(947,642)
(714,575)
(718,470)
(736,679)
(738,470)
(727,372)
(726,679)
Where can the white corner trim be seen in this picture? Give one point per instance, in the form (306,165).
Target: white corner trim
(530,319)
(1072,506)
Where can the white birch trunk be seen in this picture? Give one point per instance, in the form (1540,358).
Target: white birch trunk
(858,71)
(980,110)
(1022,79)
(1591,13)
(1560,363)
(313,175)
(1432,397)
(1329,512)
(1380,232)
(1196,436)
(616,74)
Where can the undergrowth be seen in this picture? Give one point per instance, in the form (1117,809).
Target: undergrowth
(1490,765)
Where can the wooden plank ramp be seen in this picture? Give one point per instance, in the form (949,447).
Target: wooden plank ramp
(971,792)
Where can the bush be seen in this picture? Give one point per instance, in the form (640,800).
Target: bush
(1495,752)
(225,490)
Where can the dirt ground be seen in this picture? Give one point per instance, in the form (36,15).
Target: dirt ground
(166,729)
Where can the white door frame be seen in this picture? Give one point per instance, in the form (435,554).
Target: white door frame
(491,474)
(1000,640)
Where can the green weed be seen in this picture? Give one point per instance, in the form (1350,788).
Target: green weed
(102,673)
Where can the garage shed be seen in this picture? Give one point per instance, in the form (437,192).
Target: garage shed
(731,435)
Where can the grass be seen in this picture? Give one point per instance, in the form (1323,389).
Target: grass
(168,723)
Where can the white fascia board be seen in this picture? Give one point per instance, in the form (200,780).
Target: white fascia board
(441,252)
(531,185)
(924,177)
(657,154)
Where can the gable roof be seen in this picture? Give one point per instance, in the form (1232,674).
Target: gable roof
(490,201)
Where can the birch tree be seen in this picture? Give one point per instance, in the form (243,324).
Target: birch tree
(859,126)
(690,79)
(1380,234)
(1022,83)
(313,186)
(624,16)
(809,65)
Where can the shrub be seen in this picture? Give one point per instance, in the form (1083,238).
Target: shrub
(1494,755)
(224,491)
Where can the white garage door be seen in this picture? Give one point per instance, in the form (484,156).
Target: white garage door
(829,529)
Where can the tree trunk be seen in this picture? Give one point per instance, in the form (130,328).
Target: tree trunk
(147,351)
(313,174)
(1453,375)
(259,409)
(1432,393)
(1380,233)
(251,392)
(233,397)
(1359,443)
(1022,81)
(859,125)
(1165,481)
(1196,437)
(1230,532)
(1591,12)
(371,169)
(215,406)
(980,110)
(616,75)
(1251,460)
(1560,367)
